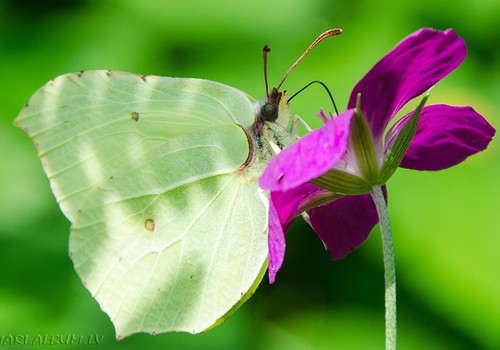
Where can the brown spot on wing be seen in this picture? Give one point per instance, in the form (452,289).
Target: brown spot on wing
(149,225)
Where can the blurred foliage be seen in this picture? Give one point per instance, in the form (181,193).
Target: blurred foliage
(446,224)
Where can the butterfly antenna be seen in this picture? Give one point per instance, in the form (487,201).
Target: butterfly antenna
(265,51)
(328,33)
(322,84)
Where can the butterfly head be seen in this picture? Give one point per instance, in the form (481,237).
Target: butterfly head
(269,110)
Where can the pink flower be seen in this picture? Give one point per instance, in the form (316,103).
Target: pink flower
(328,172)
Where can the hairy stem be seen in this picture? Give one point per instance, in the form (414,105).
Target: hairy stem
(389,268)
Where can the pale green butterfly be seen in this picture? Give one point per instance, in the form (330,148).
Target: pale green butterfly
(158,177)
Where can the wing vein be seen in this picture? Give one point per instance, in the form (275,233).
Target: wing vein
(217,246)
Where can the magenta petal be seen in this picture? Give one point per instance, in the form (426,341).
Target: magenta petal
(412,67)
(275,243)
(309,157)
(445,136)
(283,208)
(344,224)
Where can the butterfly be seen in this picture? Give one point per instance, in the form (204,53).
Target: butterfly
(158,177)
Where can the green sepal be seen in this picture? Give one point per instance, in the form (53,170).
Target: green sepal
(341,182)
(363,145)
(394,155)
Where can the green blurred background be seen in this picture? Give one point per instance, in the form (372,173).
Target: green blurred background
(446,224)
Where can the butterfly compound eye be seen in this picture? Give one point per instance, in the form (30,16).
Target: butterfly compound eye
(269,112)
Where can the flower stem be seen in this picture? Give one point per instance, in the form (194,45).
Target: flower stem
(389,268)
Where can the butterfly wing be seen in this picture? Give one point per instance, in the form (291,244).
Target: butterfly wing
(165,234)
